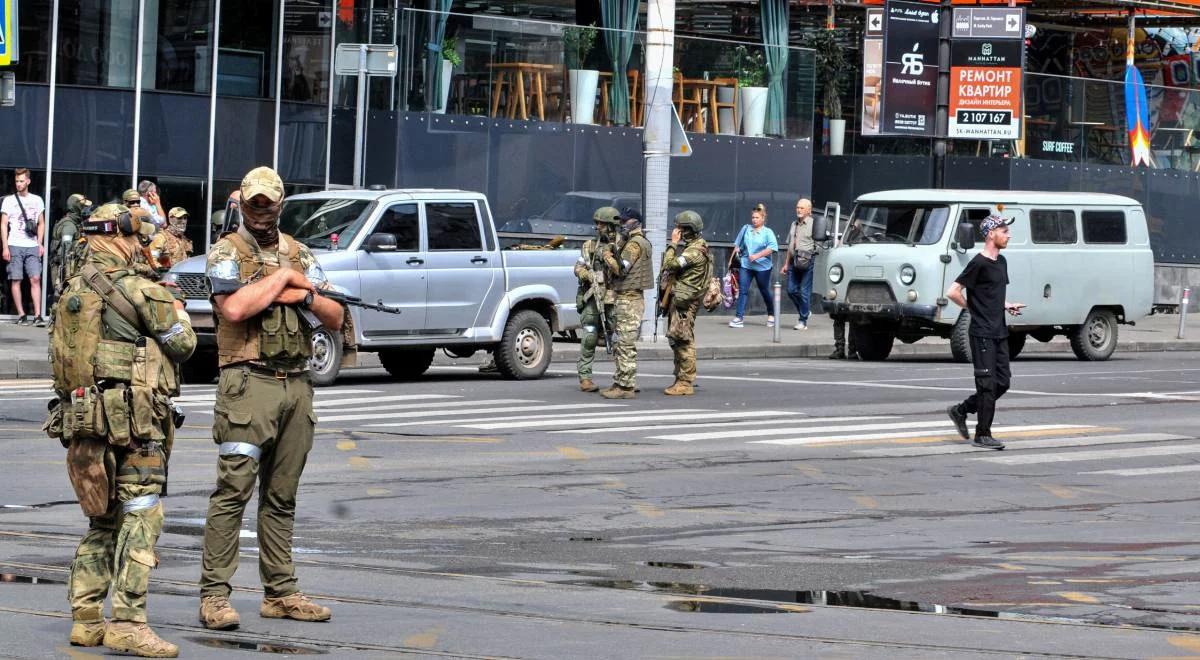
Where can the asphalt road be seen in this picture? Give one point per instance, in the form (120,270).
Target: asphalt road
(465,515)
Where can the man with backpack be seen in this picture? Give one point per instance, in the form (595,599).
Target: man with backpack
(115,348)
(687,270)
(22,226)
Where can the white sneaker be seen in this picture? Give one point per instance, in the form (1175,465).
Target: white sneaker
(770,322)
(800,326)
(736,323)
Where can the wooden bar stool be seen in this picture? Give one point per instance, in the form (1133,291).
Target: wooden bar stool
(518,102)
(716,105)
(689,103)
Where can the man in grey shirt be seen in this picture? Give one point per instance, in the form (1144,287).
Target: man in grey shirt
(800,260)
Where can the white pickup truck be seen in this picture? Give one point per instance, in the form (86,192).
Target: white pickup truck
(432,253)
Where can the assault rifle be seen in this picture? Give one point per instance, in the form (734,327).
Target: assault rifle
(355,301)
(663,295)
(596,293)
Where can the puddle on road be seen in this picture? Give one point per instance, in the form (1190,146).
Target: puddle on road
(27,579)
(586,539)
(43,505)
(680,565)
(718,607)
(260,647)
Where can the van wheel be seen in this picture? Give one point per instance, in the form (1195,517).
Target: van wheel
(960,338)
(406,363)
(872,344)
(525,349)
(1096,339)
(326,360)
(1016,342)
(201,369)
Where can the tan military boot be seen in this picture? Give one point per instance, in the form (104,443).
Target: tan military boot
(618,392)
(680,388)
(217,614)
(90,633)
(294,606)
(586,385)
(138,639)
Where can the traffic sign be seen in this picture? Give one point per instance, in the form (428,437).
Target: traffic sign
(381,59)
(874,21)
(680,145)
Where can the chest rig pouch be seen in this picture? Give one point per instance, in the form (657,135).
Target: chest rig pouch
(277,334)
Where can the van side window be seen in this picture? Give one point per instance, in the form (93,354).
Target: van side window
(401,221)
(1103,226)
(453,226)
(975,217)
(1053,226)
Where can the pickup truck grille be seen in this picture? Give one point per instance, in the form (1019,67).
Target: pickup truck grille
(193,285)
(870,292)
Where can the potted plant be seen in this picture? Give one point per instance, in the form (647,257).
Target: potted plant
(578,42)
(450,59)
(830,65)
(751,70)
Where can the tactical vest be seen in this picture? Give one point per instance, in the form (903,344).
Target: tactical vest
(275,337)
(640,275)
(692,281)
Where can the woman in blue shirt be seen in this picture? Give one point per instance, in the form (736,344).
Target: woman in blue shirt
(755,244)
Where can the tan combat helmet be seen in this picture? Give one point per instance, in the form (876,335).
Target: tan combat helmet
(608,215)
(690,220)
(130,196)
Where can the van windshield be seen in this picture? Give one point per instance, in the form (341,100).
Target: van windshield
(313,222)
(912,224)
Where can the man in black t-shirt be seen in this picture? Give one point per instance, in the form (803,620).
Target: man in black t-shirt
(984,281)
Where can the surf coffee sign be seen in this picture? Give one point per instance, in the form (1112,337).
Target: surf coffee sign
(910,68)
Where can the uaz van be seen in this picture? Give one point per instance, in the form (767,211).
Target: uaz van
(1080,261)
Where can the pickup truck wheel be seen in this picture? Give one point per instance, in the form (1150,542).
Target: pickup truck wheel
(960,338)
(525,350)
(873,344)
(326,360)
(406,364)
(201,369)
(1096,339)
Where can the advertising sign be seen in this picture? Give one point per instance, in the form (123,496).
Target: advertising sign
(989,22)
(910,69)
(872,80)
(985,89)
(8,29)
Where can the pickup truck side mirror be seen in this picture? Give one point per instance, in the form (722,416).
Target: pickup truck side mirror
(820,229)
(381,243)
(965,236)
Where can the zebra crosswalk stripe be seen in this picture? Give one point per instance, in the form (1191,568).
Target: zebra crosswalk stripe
(1141,472)
(322,402)
(412,414)
(434,405)
(663,416)
(741,423)
(721,435)
(1098,455)
(832,439)
(1042,443)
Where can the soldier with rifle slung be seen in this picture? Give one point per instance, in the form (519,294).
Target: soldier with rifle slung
(683,281)
(591,301)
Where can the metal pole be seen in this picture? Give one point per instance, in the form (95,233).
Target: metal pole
(656,136)
(212,117)
(778,307)
(941,119)
(1183,310)
(332,82)
(279,64)
(137,91)
(50,147)
(360,116)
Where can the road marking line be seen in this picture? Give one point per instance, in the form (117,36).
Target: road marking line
(1048,443)
(572,453)
(326,402)
(1077,597)
(838,439)
(427,405)
(453,414)
(1061,492)
(665,416)
(721,435)
(743,423)
(1141,472)
(1098,455)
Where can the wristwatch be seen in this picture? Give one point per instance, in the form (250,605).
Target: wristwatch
(308,300)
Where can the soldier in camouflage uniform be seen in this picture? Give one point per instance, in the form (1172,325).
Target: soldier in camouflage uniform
(607,219)
(630,272)
(115,347)
(63,238)
(686,270)
(265,285)
(171,246)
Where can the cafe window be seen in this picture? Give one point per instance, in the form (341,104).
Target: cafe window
(1103,226)
(1053,226)
(453,227)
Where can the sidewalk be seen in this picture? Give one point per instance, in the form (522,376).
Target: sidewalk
(23,350)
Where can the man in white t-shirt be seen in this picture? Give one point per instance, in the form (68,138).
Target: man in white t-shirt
(22,227)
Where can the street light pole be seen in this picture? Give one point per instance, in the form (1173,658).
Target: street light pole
(656,136)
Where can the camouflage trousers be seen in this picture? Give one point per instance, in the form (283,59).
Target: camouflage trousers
(627,324)
(681,333)
(589,321)
(118,550)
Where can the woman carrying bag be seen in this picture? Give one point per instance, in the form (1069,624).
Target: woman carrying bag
(755,244)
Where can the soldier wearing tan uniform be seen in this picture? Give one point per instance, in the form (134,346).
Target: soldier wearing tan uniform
(589,301)
(171,246)
(630,272)
(115,347)
(264,285)
(686,270)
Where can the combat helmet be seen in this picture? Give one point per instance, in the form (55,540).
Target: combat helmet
(77,202)
(690,220)
(608,215)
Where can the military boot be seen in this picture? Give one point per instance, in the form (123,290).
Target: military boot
(586,385)
(618,392)
(680,388)
(294,606)
(217,614)
(138,639)
(89,633)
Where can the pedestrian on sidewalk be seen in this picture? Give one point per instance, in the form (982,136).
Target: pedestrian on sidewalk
(630,271)
(755,245)
(22,228)
(798,265)
(985,280)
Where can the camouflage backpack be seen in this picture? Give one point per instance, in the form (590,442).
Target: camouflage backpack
(79,352)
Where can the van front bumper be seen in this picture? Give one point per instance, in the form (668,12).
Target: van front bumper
(882,311)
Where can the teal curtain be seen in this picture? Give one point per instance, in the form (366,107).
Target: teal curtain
(775,41)
(433,56)
(620,16)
